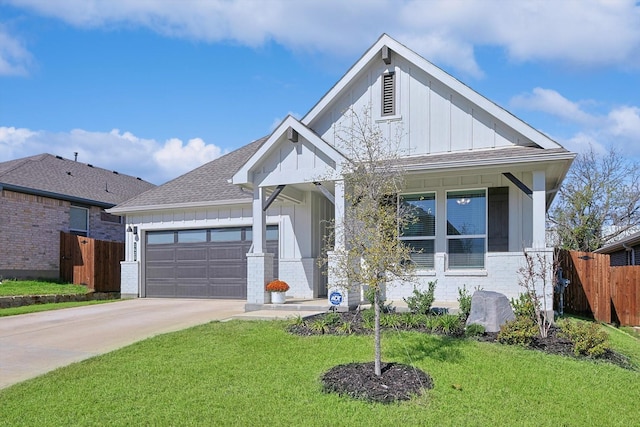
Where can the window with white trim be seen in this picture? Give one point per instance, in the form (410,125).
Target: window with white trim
(466,229)
(79,220)
(420,235)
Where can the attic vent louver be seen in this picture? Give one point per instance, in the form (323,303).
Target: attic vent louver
(388,94)
(386,55)
(59,157)
(292,135)
(90,165)
(116,172)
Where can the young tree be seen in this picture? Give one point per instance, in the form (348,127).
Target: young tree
(373,255)
(599,201)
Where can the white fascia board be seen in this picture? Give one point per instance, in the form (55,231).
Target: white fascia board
(243,175)
(446,79)
(468,164)
(188,205)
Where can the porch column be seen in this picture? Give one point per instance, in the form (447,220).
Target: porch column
(339,296)
(259,221)
(539,210)
(259,263)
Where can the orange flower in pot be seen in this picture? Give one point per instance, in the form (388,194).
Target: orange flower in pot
(278,288)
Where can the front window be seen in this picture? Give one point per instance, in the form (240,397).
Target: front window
(79,220)
(466,228)
(420,234)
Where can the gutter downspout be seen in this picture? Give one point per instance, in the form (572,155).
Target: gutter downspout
(633,253)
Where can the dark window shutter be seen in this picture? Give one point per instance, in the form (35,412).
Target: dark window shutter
(498,219)
(388,94)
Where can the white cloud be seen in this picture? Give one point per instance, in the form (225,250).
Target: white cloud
(15,59)
(551,102)
(620,126)
(174,154)
(582,32)
(624,122)
(124,152)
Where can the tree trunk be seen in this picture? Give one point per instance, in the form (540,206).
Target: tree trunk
(376,310)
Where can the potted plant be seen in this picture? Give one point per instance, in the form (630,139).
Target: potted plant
(278,289)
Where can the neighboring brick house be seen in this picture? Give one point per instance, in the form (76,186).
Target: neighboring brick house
(42,195)
(623,252)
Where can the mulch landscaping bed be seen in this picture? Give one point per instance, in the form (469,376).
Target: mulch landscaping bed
(398,381)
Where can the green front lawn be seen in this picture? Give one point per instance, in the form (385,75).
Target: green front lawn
(256,374)
(32,287)
(36,308)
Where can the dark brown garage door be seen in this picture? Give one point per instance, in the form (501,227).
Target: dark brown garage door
(203,263)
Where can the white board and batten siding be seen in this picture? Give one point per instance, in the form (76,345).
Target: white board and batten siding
(430,117)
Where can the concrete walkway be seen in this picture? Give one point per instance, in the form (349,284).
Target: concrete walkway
(33,344)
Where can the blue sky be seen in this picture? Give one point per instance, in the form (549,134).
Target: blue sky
(156,88)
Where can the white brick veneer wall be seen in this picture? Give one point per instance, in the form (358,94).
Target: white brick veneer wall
(299,274)
(259,273)
(129,278)
(501,275)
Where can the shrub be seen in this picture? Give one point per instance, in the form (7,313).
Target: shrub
(411,320)
(297,320)
(420,301)
(332,319)
(319,326)
(588,338)
(524,306)
(431,323)
(521,331)
(474,329)
(390,320)
(464,302)
(369,294)
(368,318)
(345,328)
(449,324)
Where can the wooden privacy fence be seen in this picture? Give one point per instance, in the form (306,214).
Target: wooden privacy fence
(91,262)
(608,294)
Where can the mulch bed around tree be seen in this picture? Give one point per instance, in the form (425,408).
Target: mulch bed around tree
(359,381)
(398,381)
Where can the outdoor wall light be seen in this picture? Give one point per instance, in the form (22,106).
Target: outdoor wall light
(129,229)
(133,230)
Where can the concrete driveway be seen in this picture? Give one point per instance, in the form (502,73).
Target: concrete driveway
(33,344)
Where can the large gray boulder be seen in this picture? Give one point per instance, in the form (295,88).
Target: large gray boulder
(490,309)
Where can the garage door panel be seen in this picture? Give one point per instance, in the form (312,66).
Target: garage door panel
(188,269)
(234,252)
(161,254)
(236,290)
(192,272)
(162,290)
(192,290)
(191,254)
(161,272)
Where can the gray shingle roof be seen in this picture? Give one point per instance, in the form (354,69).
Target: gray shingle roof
(56,177)
(207,183)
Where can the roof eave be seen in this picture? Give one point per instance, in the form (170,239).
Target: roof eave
(172,206)
(57,196)
(453,164)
